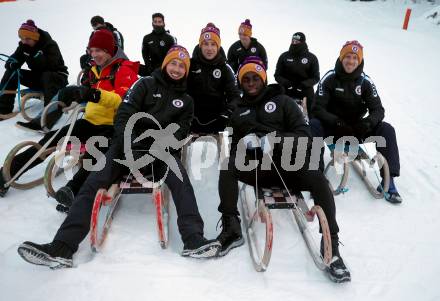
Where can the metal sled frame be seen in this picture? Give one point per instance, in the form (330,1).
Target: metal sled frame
(42,152)
(360,164)
(53,170)
(268,199)
(106,204)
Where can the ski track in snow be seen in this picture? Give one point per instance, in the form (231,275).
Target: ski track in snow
(389,249)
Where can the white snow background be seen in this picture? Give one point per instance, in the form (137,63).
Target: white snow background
(390,250)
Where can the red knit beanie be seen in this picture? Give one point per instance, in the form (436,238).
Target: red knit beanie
(103,39)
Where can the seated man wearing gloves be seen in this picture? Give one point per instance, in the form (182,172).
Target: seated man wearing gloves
(264,111)
(108,80)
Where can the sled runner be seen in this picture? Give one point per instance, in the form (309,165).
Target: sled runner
(363,164)
(106,203)
(42,153)
(256,205)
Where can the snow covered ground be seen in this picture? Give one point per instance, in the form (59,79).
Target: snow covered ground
(389,249)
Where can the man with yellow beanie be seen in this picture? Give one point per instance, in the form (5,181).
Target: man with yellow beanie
(43,57)
(211,83)
(245,46)
(264,111)
(162,97)
(348,104)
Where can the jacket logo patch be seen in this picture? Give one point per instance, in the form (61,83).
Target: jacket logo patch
(245,113)
(207,36)
(253,49)
(270,107)
(289,60)
(217,73)
(358,90)
(158,95)
(162,43)
(151,42)
(177,103)
(339,89)
(304,61)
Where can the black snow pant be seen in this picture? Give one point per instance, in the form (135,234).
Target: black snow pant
(82,129)
(302,180)
(383,129)
(76,226)
(48,81)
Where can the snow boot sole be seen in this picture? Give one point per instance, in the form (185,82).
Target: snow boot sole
(38,257)
(234,244)
(205,251)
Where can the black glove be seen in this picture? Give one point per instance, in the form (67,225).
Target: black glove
(70,94)
(343,129)
(12,64)
(361,129)
(90,94)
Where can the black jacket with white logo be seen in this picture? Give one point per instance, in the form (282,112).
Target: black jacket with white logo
(297,70)
(155,47)
(212,85)
(348,97)
(270,111)
(237,53)
(167,102)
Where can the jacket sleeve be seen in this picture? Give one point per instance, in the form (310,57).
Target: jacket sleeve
(313,74)
(231,88)
(184,121)
(376,111)
(18,55)
(46,59)
(132,104)
(322,99)
(146,52)
(279,70)
(124,78)
(264,56)
(295,124)
(232,58)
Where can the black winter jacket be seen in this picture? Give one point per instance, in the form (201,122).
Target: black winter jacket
(166,102)
(271,111)
(213,86)
(237,53)
(155,47)
(297,70)
(348,97)
(44,56)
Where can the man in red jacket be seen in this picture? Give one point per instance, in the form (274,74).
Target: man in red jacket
(108,80)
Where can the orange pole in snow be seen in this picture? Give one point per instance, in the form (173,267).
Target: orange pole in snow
(406,21)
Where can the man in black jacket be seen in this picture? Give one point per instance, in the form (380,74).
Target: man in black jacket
(163,97)
(43,57)
(298,70)
(344,96)
(212,84)
(265,110)
(246,46)
(156,44)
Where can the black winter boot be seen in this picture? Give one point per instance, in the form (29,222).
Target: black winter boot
(231,236)
(199,247)
(337,271)
(54,255)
